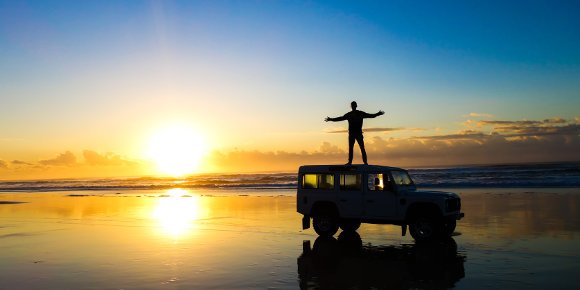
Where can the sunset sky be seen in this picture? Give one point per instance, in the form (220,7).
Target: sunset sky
(130,88)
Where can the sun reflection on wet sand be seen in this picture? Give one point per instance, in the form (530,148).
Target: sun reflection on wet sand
(176,213)
(194,239)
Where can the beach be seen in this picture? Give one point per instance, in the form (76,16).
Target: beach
(252,239)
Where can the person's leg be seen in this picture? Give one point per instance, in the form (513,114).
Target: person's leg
(361,143)
(350,147)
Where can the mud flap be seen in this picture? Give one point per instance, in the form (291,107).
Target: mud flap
(403,230)
(460,216)
(305,222)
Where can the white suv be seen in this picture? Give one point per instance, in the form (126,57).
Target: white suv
(347,195)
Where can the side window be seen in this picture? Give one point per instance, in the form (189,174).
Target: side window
(325,181)
(309,181)
(375,181)
(320,181)
(401,178)
(350,182)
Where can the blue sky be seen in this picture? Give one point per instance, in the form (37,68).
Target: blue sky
(253,73)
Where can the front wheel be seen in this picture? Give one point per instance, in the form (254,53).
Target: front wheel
(424,229)
(325,224)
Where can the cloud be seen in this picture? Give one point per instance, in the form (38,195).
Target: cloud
(508,141)
(21,163)
(550,121)
(515,141)
(68,161)
(453,149)
(478,115)
(64,159)
(252,161)
(534,128)
(328,148)
(378,129)
(510,123)
(555,120)
(475,148)
(515,131)
(108,159)
(462,135)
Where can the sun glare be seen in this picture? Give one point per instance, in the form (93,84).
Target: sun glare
(177,150)
(176,213)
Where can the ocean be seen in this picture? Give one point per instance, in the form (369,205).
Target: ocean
(492,176)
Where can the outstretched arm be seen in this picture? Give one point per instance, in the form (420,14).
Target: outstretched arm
(379,113)
(335,119)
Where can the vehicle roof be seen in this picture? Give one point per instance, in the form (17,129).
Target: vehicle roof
(345,168)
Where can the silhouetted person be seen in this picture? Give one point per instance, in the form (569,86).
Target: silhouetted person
(355,122)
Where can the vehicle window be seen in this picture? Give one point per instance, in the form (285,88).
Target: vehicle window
(401,178)
(325,181)
(350,181)
(309,181)
(375,181)
(320,181)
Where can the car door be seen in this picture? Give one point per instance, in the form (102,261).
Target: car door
(380,200)
(350,194)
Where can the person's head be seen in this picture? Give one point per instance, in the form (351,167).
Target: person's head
(353,105)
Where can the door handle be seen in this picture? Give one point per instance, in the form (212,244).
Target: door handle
(370,201)
(343,200)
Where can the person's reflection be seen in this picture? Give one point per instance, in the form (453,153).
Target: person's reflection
(346,263)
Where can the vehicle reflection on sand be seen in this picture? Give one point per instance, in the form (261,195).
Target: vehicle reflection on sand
(346,263)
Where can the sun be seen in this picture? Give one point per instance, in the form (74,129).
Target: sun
(176,149)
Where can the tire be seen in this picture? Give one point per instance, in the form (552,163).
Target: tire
(425,229)
(325,224)
(349,225)
(449,227)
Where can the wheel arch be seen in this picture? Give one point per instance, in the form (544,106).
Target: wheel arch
(323,206)
(422,208)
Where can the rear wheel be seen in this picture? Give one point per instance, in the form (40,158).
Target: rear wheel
(349,225)
(425,228)
(325,224)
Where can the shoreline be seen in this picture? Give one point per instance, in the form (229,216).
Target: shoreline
(257,191)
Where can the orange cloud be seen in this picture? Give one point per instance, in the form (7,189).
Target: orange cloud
(64,159)
(21,163)
(509,142)
(515,141)
(108,159)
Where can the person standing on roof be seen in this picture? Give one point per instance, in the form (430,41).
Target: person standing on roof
(355,122)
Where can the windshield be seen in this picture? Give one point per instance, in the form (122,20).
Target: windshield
(401,178)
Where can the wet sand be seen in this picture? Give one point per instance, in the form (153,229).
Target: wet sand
(178,239)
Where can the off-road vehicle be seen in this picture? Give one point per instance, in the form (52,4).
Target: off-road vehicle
(345,196)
